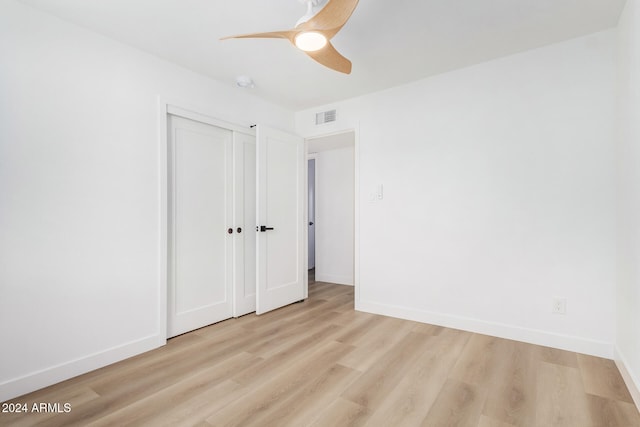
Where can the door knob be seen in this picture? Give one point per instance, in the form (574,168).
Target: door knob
(239,230)
(311,223)
(230,231)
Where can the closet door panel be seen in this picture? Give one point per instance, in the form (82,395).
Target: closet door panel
(200,248)
(245,218)
(280,199)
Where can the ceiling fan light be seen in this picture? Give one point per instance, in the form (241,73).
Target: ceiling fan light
(310,41)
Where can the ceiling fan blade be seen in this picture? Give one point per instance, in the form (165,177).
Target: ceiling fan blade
(288,34)
(330,57)
(331,18)
(328,21)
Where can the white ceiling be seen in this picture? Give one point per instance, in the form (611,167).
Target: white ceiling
(389,42)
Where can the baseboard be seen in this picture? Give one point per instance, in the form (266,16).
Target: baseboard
(338,280)
(55,374)
(631,380)
(532,336)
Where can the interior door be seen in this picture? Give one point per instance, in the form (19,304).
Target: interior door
(244,153)
(311,194)
(200,248)
(280,204)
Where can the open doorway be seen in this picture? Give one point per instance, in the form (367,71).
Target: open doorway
(311,192)
(331,227)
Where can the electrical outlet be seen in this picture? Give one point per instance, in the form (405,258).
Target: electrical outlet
(559,306)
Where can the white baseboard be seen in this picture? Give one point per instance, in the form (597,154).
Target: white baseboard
(532,336)
(632,381)
(338,280)
(55,374)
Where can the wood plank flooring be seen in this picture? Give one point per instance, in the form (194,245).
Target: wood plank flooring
(320,363)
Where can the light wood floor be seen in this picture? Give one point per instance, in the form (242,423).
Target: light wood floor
(320,363)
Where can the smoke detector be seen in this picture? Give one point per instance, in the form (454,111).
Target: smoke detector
(245,82)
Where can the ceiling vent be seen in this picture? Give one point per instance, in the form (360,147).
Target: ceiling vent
(325,117)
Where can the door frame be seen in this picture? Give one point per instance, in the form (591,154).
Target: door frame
(166,107)
(356,207)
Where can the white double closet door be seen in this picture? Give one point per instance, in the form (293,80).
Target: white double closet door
(222,186)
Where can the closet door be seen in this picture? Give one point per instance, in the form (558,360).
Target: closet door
(244,149)
(200,268)
(280,195)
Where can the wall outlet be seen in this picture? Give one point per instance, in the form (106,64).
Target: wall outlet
(376,193)
(559,306)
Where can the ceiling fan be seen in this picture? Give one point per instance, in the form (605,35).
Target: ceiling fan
(313,32)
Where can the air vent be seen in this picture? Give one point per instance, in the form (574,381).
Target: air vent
(325,117)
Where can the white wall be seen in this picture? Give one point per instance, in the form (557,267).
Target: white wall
(499,194)
(79,193)
(335,215)
(628,307)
